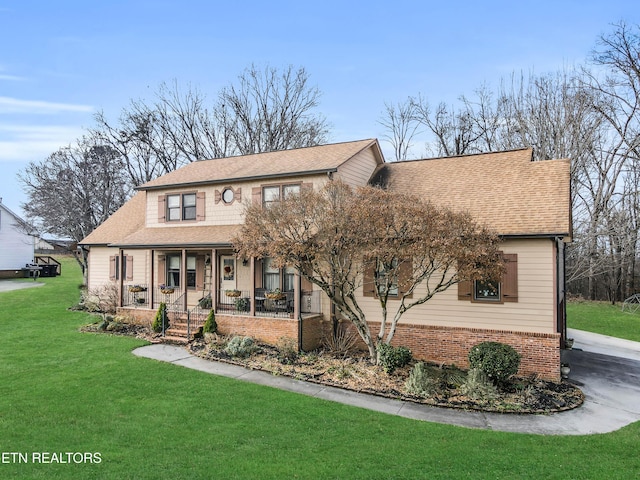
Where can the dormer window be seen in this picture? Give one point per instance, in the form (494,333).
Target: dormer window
(274,193)
(179,207)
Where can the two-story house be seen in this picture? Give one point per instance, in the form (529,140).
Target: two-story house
(171,243)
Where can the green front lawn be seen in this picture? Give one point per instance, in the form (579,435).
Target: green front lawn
(65,391)
(604,318)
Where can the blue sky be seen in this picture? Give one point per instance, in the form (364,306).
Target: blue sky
(62,61)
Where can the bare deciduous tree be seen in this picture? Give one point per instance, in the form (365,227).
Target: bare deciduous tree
(401,127)
(266,110)
(74,190)
(270,110)
(592,116)
(339,237)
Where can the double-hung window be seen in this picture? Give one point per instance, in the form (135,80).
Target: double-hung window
(486,291)
(191,271)
(504,290)
(395,278)
(289,279)
(271,275)
(274,193)
(174,268)
(181,207)
(387,278)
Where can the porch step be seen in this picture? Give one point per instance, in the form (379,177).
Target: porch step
(179,330)
(174,339)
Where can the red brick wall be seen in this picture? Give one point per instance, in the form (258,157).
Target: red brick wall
(270,330)
(137,316)
(540,353)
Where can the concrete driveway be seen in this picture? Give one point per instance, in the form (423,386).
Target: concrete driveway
(9,285)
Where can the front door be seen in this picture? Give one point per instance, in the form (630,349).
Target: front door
(227,272)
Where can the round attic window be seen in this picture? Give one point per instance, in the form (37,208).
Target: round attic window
(228,195)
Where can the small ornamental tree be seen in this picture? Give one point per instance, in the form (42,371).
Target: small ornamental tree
(160,319)
(349,241)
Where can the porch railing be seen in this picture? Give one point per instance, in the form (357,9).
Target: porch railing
(175,310)
(238,302)
(198,315)
(136,295)
(167,295)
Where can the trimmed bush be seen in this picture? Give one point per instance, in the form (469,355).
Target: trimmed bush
(479,387)
(390,357)
(420,381)
(498,361)
(240,347)
(210,325)
(161,316)
(287,350)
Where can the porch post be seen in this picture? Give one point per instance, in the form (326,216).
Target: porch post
(183,280)
(215,294)
(296,296)
(121,277)
(252,293)
(150,285)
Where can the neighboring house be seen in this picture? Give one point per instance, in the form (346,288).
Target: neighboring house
(54,246)
(16,243)
(175,233)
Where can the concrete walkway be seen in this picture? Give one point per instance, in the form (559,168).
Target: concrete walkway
(9,285)
(610,383)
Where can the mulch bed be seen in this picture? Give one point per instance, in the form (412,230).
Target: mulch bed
(354,372)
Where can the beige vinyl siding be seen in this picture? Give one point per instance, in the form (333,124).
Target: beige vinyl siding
(140,266)
(358,170)
(534,311)
(99,266)
(221,213)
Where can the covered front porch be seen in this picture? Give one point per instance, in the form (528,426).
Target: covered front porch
(198,280)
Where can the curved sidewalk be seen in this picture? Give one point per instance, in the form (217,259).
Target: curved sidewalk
(610,385)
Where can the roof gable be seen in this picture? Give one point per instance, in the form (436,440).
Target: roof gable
(282,163)
(125,221)
(507,191)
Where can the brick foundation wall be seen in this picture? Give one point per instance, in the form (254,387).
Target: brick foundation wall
(265,329)
(540,353)
(137,316)
(271,330)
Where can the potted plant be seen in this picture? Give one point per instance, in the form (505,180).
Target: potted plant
(136,288)
(167,290)
(275,295)
(232,293)
(242,304)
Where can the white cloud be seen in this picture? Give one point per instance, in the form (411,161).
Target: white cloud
(34,142)
(13,78)
(10,105)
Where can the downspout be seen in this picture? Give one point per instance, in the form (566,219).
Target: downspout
(561,290)
(296,308)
